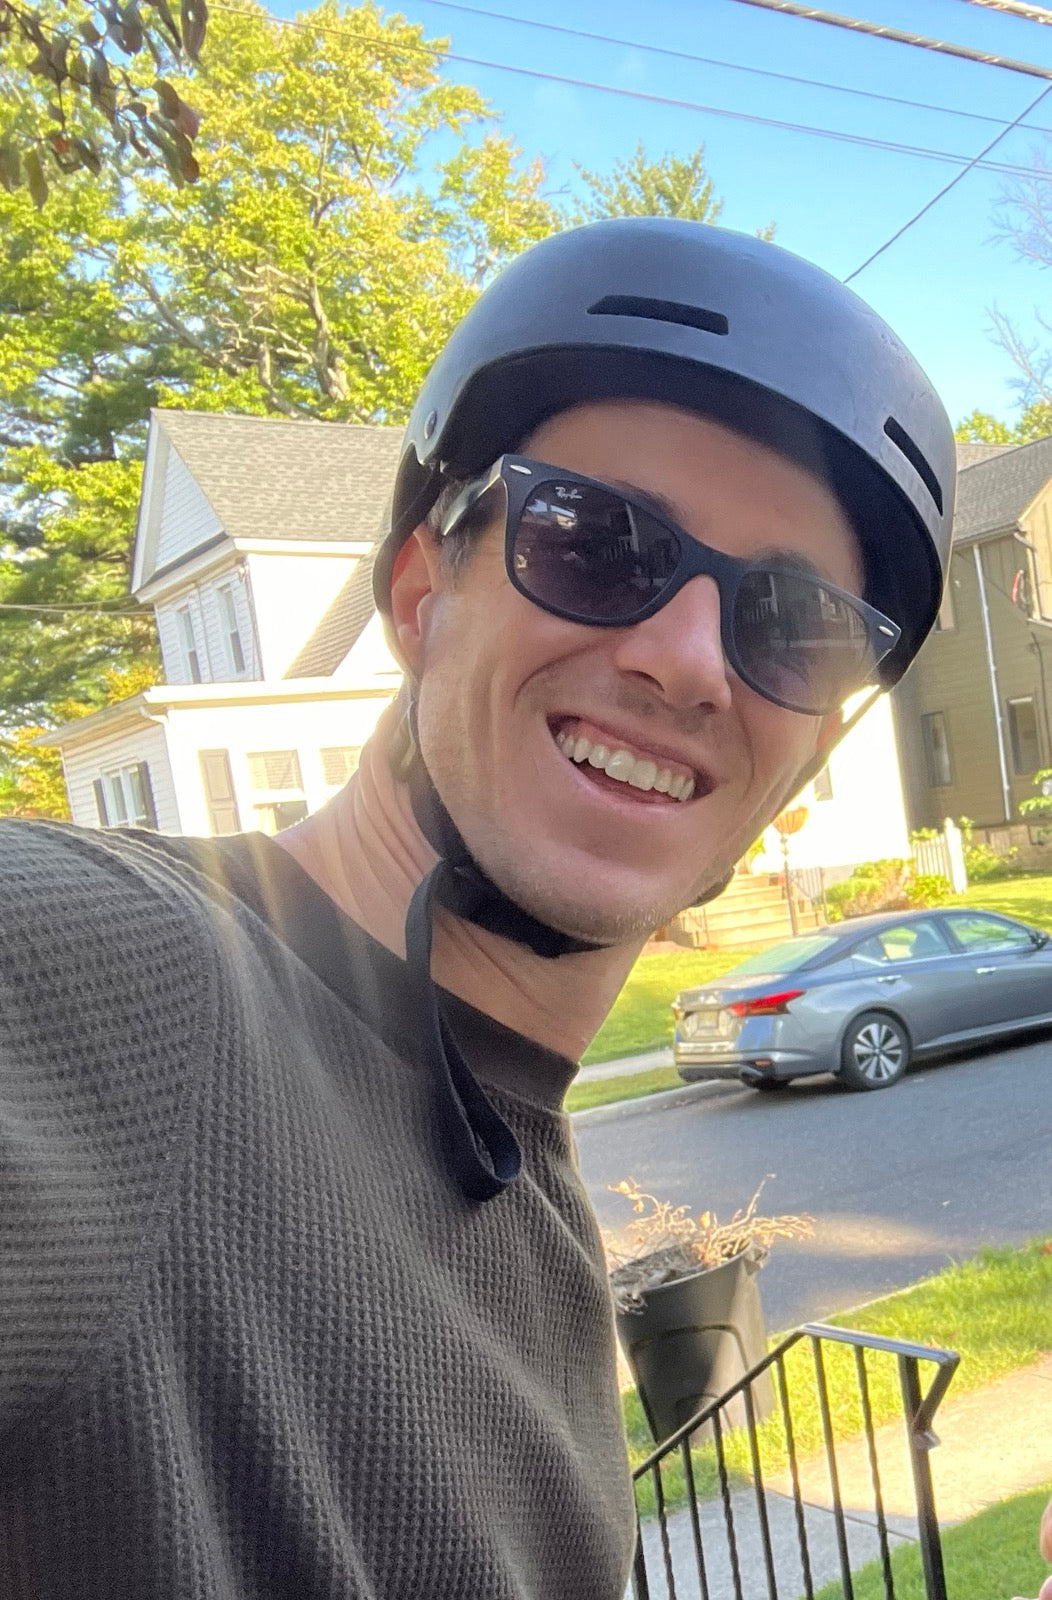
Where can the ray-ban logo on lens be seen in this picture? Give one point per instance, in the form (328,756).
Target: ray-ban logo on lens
(566,492)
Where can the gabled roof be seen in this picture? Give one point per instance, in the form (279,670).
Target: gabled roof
(969,451)
(267,478)
(993,494)
(341,626)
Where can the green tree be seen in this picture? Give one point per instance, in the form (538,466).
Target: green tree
(351,203)
(981,428)
(86,81)
(672,186)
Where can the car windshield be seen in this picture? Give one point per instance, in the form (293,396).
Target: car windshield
(787,957)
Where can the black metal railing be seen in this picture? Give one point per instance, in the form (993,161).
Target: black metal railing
(777,1509)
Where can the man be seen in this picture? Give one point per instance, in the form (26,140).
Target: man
(301,1295)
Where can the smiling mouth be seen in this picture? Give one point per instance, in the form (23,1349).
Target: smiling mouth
(611,759)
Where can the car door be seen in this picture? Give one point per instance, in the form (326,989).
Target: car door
(1011,975)
(910,968)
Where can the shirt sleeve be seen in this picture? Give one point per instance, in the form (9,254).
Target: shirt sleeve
(106,1001)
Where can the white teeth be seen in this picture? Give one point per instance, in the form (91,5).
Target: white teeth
(620,765)
(624,767)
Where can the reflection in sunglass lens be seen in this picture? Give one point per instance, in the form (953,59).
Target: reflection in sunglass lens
(797,642)
(584,551)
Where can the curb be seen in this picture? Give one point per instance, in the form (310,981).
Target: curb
(639,1105)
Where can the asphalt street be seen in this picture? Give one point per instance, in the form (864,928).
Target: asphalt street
(900,1182)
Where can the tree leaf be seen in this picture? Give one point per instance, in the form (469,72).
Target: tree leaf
(35,179)
(195,21)
(10,166)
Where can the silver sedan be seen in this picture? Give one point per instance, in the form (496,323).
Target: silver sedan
(865,998)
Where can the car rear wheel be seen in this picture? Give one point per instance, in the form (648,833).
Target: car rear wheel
(875,1052)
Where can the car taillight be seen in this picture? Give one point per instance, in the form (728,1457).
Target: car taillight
(764,1005)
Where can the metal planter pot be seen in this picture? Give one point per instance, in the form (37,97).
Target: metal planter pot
(692,1340)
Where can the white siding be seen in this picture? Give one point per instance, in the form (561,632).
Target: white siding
(865,820)
(170,634)
(307,727)
(83,764)
(290,594)
(187,518)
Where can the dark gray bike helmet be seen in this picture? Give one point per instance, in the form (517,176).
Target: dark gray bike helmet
(722,324)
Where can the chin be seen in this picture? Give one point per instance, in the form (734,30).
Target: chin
(606,920)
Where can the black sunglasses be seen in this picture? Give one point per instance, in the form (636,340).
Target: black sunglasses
(592,554)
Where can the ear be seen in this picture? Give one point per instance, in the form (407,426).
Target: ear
(415,578)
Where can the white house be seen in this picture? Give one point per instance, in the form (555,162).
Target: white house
(254,546)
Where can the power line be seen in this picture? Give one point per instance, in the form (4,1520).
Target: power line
(877,30)
(716,61)
(948,186)
(1016,8)
(888,145)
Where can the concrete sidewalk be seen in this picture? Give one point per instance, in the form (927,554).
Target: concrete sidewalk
(625,1065)
(995,1443)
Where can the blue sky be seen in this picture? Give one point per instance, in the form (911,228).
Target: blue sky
(833,202)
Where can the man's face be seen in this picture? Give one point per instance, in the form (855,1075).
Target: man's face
(507,692)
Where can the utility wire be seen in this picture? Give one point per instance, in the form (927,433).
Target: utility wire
(79,608)
(715,61)
(891,146)
(1014,8)
(948,186)
(877,30)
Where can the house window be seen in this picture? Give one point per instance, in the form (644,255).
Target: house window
(275,769)
(937,749)
(823,785)
(124,797)
(1022,729)
(235,649)
(338,763)
(189,642)
(277,780)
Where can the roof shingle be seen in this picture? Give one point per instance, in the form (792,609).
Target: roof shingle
(992,494)
(267,478)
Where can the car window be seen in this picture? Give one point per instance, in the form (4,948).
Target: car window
(909,941)
(978,934)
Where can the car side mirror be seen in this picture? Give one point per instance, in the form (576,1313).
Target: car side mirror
(1040,939)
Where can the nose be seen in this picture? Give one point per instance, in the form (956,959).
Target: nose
(679,649)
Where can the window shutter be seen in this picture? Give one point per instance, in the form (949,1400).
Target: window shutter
(143,770)
(219,792)
(100,803)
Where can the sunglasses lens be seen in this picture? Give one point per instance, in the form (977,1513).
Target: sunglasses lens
(583,552)
(798,643)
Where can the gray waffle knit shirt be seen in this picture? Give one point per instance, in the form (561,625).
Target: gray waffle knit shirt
(253,1342)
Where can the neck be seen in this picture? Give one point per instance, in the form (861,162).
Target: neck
(366,851)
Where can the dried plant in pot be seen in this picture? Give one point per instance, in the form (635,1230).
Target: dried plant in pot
(689,1315)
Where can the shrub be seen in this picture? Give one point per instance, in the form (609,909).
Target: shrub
(982,863)
(928,889)
(873,886)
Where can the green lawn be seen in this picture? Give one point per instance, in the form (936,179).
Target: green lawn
(990,1557)
(991,1309)
(1029,899)
(627,1086)
(641,1018)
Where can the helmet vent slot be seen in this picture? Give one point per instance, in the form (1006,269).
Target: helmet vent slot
(916,458)
(634,305)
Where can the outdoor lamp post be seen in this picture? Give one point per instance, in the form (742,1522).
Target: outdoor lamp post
(787,823)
